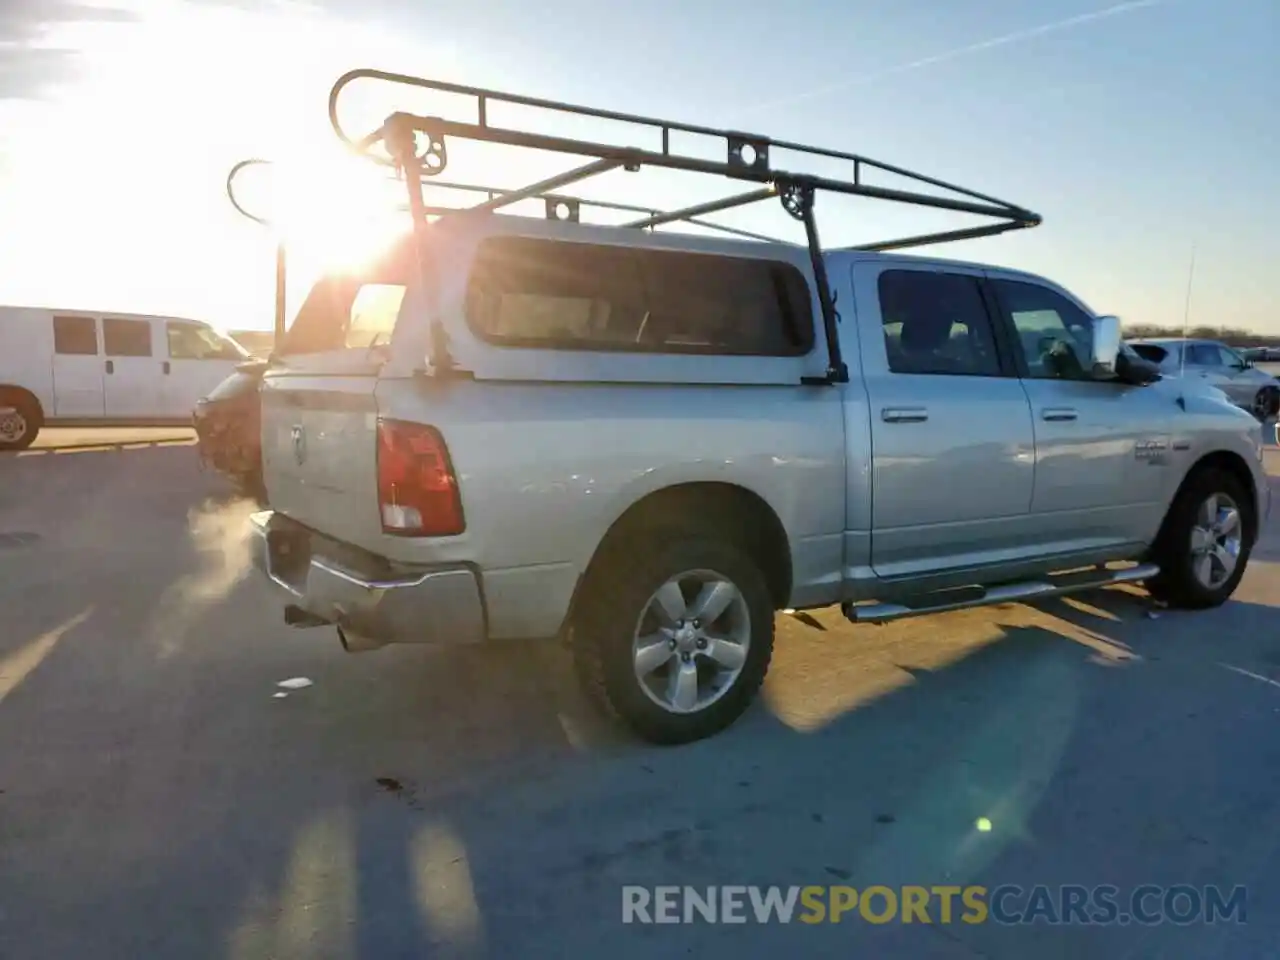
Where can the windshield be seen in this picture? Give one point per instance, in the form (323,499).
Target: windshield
(217,342)
(236,346)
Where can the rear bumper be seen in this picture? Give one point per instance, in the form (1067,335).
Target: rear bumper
(363,594)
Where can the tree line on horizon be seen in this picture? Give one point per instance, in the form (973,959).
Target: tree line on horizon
(1231,336)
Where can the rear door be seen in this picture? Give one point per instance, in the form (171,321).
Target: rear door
(132,381)
(1203,360)
(77,367)
(1237,376)
(953,448)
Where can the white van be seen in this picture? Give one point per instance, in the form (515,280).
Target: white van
(84,367)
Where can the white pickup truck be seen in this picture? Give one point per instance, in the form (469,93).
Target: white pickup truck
(650,442)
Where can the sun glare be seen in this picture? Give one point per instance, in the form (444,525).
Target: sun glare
(335,213)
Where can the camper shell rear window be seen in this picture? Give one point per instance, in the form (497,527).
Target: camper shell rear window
(1150,351)
(529,292)
(352,310)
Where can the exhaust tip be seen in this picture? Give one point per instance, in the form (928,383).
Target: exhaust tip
(295,616)
(356,642)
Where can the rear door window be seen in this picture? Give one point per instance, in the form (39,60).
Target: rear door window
(544,293)
(126,338)
(75,336)
(936,323)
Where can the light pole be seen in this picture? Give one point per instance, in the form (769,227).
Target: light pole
(281,257)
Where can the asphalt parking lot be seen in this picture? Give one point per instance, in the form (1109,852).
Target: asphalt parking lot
(158,798)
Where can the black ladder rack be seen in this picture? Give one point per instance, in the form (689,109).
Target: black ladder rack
(416,147)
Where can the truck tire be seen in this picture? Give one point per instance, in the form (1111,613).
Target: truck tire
(20,419)
(1205,542)
(674,639)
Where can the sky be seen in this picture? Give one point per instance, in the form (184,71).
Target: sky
(1141,131)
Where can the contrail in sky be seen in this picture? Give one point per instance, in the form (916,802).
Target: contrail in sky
(1008,38)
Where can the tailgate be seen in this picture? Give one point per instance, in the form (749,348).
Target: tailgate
(319,452)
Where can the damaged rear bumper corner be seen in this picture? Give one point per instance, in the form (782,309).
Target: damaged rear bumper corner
(359,593)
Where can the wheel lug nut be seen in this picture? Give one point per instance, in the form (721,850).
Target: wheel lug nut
(697,624)
(686,657)
(671,644)
(702,643)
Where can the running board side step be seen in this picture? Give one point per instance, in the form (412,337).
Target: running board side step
(961,599)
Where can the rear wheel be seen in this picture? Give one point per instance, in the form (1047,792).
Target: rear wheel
(675,639)
(1205,544)
(20,420)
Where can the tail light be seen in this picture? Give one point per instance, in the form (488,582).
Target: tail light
(417,489)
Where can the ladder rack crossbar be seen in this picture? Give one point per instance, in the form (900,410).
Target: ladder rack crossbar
(416,148)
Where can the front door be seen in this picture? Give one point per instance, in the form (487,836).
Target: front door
(1102,448)
(77,368)
(1224,369)
(132,371)
(1238,380)
(953,449)
(199,360)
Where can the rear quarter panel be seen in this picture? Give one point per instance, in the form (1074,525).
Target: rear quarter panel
(552,446)
(26,352)
(546,468)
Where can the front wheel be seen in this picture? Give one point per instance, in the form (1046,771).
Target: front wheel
(1204,546)
(675,640)
(1266,403)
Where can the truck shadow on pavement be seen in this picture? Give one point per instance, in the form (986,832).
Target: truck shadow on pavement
(411,802)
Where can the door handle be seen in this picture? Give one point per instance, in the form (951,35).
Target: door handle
(111,366)
(166,368)
(1058,413)
(904,414)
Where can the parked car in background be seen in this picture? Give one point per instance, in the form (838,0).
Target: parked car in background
(1229,370)
(91,368)
(227,424)
(1261,354)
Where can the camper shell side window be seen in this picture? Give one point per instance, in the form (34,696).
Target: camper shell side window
(541,293)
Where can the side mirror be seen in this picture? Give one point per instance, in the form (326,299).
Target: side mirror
(1106,347)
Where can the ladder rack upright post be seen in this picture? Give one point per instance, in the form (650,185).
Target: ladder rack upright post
(278,324)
